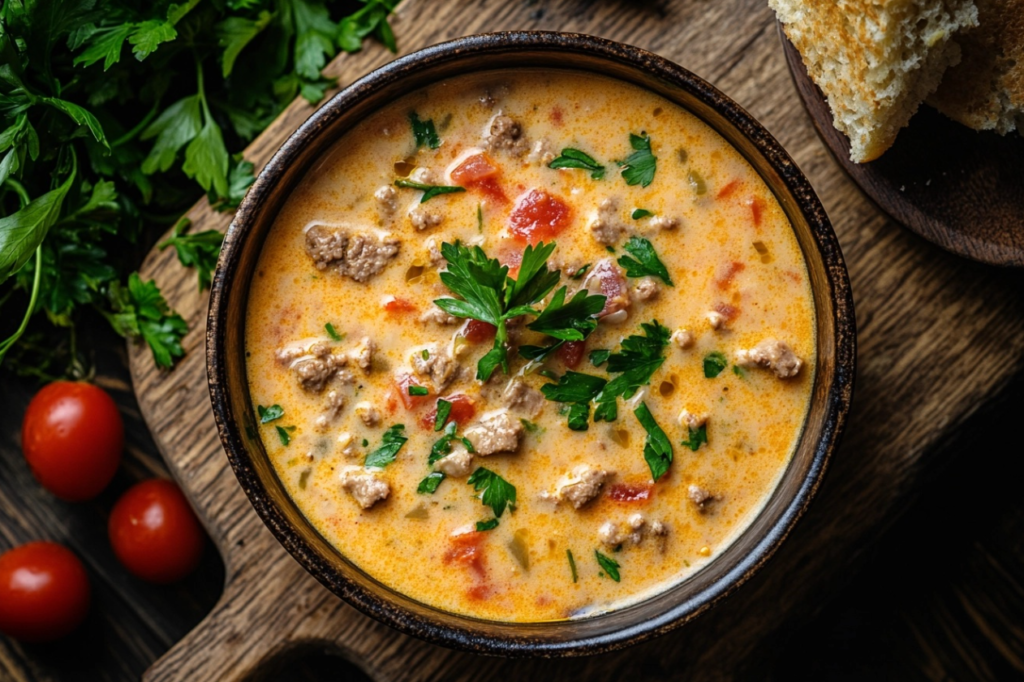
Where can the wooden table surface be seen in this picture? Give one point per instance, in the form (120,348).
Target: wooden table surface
(940,338)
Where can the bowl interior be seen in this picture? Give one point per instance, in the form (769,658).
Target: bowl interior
(830,397)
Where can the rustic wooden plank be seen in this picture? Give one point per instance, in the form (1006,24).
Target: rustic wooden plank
(937,337)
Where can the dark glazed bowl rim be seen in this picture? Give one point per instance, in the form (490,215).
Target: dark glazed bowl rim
(518,639)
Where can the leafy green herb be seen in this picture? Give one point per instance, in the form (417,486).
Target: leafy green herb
(497,492)
(696,437)
(529,425)
(428,486)
(639,358)
(442,446)
(444,408)
(332,332)
(639,167)
(429,191)
(371,19)
(579,273)
(419,390)
(576,390)
(425,354)
(391,443)
(574,158)
(424,132)
(282,434)
(572,321)
(714,363)
(140,311)
(641,213)
(647,261)
(489,524)
(657,446)
(199,250)
(572,564)
(365,442)
(269,414)
(739,371)
(609,565)
(599,356)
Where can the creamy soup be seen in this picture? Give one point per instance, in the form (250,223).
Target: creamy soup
(531,345)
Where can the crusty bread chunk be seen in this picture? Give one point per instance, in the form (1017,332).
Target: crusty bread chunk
(875,60)
(985,91)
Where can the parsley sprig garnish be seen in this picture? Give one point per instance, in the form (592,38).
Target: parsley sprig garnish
(574,158)
(657,446)
(429,191)
(490,295)
(391,443)
(199,250)
(645,261)
(639,167)
(424,132)
(497,492)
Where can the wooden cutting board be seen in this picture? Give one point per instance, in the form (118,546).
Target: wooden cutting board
(938,337)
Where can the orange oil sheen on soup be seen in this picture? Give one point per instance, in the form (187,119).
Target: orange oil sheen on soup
(731,251)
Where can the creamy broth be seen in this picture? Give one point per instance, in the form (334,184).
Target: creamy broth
(339,347)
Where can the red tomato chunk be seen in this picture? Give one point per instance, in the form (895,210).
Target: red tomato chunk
(538,216)
(466,550)
(481,173)
(463,409)
(571,353)
(479,332)
(410,402)
(393,304)
(630,492)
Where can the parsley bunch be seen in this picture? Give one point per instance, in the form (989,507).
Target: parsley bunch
(490,295)
(115,116)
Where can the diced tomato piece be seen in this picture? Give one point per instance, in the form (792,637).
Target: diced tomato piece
(728,274)
(402,384)
(481,173)
(631,492)
(479,332)
(757,207)
(612,283)
(394,305)
(556,117)
(463,409)
(466,549)
(538,216)
(571,352)
(728,189)
(479,592)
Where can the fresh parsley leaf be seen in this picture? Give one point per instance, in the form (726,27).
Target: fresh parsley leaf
(371,19)
(442,446)
(489,524)
(657,446)
(534,281)
(428,486)
(139,310)
(574,387)
(235,33)
(572,564)
(639,358)
(609,565)
(419,390)
(599,356)
(572,321)
(579,273)
(429,191)
(538,353)
(574,158)
(173,129)
(269,414)
(641,213)
(391,443)
(646,263)
(199,250)
(696,437)
(714,364)
(23,231)
(639,167)
(332,332)
(424,132)
(206,158)
(497,492)
(282,434)
(579,416)
(444,408)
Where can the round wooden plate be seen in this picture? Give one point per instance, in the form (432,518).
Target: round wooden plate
(956,187)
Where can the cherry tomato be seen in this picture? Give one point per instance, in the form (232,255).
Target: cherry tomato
(44,592)
(155,533)
(463,409)
(479,332)
(538,216)
(571,353)
(72,437)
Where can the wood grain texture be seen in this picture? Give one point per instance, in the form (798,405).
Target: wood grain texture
(956,187)
(938,335)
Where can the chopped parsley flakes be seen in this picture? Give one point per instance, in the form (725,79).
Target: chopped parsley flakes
(332,332)
(424,132)
(444,408)
(428,486)
(497,492)
(489,524)
(574,158)
(641,213)
(696,437)
(429,191)
(269,414)
(572,564)
(714,364)
(608,565)
(657,446)
(419,390)
(391,443)
(283,434)
(646,261)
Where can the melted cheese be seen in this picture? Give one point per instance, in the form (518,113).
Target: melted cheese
(733,246)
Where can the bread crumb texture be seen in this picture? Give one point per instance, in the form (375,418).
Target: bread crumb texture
(875,61)
(985,91)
